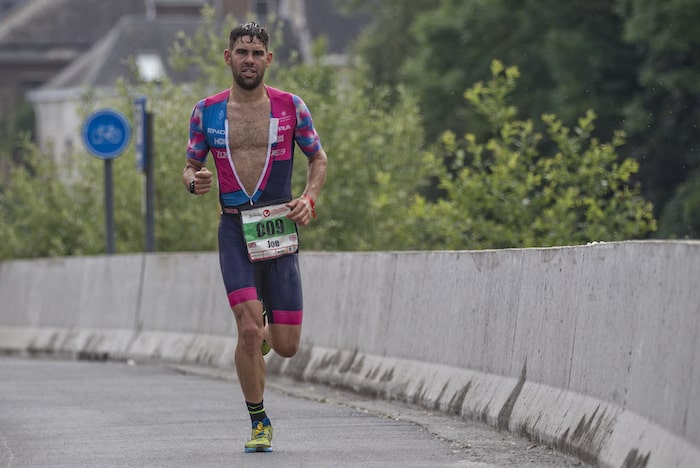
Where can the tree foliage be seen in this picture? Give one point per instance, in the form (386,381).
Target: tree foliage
(635,62)
(385,44)
(40,216)
(662,116)
(503,192)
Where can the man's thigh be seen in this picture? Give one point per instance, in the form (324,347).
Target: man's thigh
(280,289)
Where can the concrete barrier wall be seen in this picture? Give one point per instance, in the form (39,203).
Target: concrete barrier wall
(593,349)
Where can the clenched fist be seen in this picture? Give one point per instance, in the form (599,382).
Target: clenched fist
(202,181)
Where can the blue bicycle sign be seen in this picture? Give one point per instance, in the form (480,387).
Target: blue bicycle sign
(106,133)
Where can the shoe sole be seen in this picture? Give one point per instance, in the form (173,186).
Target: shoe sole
(258,449)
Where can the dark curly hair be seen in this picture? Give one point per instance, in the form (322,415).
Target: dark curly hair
(252,30)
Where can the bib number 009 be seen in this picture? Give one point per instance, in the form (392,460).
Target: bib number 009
(269,233)
(271,227)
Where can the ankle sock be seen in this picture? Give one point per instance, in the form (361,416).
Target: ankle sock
(256,411)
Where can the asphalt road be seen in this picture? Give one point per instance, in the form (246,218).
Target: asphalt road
(67,413)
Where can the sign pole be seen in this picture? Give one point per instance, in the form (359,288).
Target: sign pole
(109,206)
(106,134)
(150,186)
(143,123)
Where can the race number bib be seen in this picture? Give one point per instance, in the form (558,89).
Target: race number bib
(269,233)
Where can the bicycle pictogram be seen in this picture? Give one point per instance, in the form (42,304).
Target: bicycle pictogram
(107,134)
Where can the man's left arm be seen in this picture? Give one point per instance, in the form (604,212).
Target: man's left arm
(304,207)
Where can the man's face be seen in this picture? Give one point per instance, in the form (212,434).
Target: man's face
(248,60)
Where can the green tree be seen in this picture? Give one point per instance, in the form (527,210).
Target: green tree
(662,116)
(385,42)
(374,170)
(634,61)
(39,215)
(680,218)
(504,193)
(571,55)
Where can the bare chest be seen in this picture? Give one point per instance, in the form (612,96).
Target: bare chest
(248,141)
(248,127)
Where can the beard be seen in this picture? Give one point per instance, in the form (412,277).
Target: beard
(248,84)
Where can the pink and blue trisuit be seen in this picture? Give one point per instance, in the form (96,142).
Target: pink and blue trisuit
(277,282)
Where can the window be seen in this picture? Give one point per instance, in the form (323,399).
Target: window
(150,67)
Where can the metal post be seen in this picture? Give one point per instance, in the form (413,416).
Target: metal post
(109,206)
(150,185)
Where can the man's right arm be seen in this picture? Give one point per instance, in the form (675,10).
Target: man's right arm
(201,176)
(196,177)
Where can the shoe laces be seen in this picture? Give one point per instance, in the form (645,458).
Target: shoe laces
(260,431)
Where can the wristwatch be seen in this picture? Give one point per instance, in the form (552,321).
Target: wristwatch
(192,186)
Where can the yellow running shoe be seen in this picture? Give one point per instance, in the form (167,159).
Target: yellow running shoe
(261,438)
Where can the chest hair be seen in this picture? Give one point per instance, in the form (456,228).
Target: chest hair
(248,140)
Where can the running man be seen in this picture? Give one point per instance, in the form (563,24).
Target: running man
(251,130)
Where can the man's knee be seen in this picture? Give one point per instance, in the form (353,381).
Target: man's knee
(286,350)
(250,327)
(250,336)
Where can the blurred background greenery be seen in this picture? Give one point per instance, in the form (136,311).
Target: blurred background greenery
(459,125)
